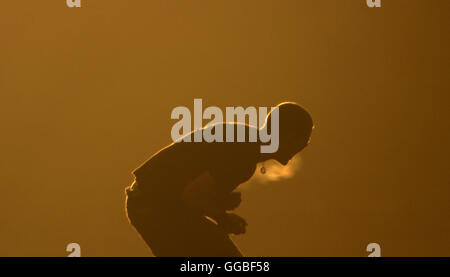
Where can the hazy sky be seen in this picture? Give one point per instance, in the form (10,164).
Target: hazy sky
(86,96)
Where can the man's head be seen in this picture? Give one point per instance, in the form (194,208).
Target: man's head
(295,127)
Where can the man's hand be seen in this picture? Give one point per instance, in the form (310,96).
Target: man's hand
(232,201)
(233,224)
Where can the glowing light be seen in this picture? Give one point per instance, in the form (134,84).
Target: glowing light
(274,172)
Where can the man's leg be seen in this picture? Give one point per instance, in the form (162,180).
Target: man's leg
(181,234)
(198,236)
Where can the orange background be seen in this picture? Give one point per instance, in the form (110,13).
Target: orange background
(86,96)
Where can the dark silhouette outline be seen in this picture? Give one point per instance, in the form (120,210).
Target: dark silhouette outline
(181,199)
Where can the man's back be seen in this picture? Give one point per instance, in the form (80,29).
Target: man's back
(167,172)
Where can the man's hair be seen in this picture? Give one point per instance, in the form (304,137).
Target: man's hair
(295,123)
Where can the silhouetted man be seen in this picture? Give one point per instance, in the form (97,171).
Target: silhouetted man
(184,185)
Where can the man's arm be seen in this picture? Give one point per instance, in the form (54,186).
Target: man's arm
(202,194)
